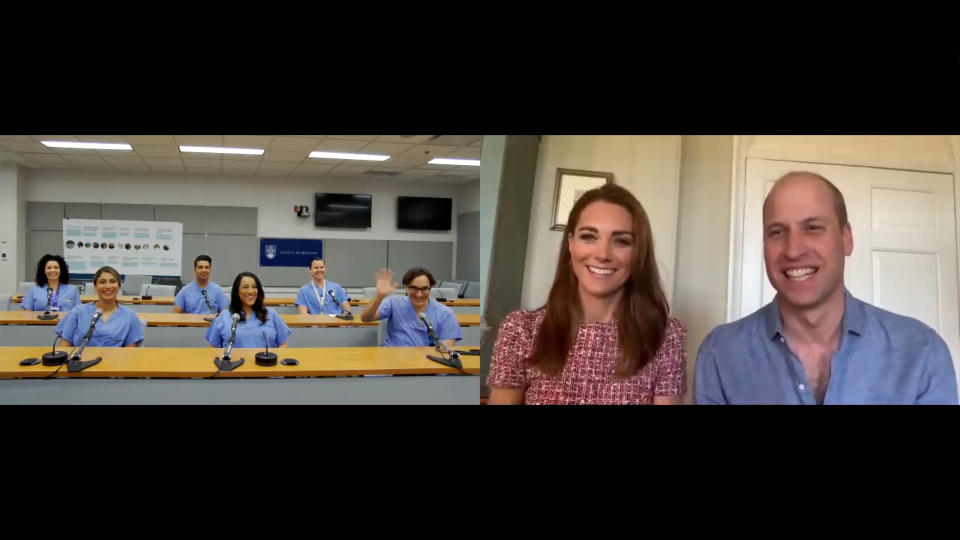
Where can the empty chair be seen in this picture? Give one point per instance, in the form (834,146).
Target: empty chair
(25,287)
(88,288)
(443,292)
(153,289)
(133,282)
(473,290)
(458,284)
(371,292)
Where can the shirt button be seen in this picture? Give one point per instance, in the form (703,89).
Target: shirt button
(782,340)
(802,386)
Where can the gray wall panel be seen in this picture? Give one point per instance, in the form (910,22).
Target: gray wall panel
(81,210)
(193,245)
(194,218)
(45,216)
(232,220)
(468,246)
(231,255)
(437,257)
(354,263)
(129,212)
(39,243)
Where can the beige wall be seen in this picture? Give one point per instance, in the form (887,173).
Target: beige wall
(647,165)
(703,251)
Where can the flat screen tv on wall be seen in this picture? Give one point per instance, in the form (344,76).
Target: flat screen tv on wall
(424,213)
(342,210)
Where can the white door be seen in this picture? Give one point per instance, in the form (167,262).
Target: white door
(904,241)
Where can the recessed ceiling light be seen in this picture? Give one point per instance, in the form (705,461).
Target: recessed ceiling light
(91,145)
(222,150)
(450,161)
(342,155)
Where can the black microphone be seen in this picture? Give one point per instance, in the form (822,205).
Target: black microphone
(146,293)
(266,358)
(46,315)
(344,316)
(207,300)
(75,364)
(440,346)
(225,364)
(54,357)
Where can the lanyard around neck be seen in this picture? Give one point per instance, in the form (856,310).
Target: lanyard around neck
(320,297)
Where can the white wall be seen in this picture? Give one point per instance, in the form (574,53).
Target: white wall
(10,230)
(647,165)
(469,197)
(274,197)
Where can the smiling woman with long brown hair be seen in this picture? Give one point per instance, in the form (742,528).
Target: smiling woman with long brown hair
(605,335)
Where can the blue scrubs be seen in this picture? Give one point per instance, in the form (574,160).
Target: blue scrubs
(64,299)
(404,328)
(121,330)
(249,332)
(319,301)
(190,298)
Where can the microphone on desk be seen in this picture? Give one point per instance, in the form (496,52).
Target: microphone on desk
(344,316)
(266,358)
(146,293)
(225,364)
(75,364)
(46,315)
(54,357)
(440,346)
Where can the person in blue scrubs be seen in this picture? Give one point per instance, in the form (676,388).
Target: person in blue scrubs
(404,327)
(119,326)
(321,296)
(202,295)
(52,274)
(259,326)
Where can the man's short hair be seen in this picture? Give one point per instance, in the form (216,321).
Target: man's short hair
(839,206)
(202,258)
(414,273)
(315,259)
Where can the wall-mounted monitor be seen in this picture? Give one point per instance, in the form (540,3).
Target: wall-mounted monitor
(424,213)
(342,210)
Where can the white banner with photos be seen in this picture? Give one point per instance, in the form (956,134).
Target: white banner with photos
(132,247)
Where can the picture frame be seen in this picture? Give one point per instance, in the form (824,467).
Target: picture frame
(571,185)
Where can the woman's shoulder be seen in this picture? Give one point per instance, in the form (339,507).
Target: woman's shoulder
(675,327)
(526,319)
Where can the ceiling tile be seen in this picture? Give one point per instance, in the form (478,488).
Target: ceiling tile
(213,163)
(307,172)
(238,172)
(340,145)
(406,162)
(455,140)
(276,166)
(349,171)
(429,151)
(354,137)
(161,168)
(468,152)
(163,162)
(140,168)
(247,164)
(293,144)
(11,157)
(288,156)
(48,159)
(24,138)
(103,138)
(86,160)
(26,146)
(478,142)
(203,170)
(247,141)
(157,151)
(315,167)
(199,140)
(408,139)
(152,140)
(385,148)
(39,138)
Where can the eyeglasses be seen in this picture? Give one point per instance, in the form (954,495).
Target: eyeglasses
(421,290)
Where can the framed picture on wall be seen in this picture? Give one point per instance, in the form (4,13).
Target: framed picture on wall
(571,185)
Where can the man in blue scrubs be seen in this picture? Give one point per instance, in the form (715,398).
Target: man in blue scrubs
(202,295)
(320,295)
(404,327)
(815,343)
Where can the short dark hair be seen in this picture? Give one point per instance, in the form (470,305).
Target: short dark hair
(42,267)
(414,273)
(315,259)
(202,258)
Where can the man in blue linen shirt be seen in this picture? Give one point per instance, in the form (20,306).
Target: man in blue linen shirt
(404,327)
(321,296)
(202,295)
(815,343)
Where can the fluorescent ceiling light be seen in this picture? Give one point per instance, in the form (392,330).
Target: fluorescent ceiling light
(222,150)
(449,161)
(341,155)
(92,145)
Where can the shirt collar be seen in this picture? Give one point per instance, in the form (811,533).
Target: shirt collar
(854,317)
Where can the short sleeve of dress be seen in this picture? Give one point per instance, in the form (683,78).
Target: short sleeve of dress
(508,366)
(672,360)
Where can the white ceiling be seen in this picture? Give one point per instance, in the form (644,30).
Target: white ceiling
(285,155)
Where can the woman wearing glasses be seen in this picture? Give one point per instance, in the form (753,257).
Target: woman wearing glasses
(404,326)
